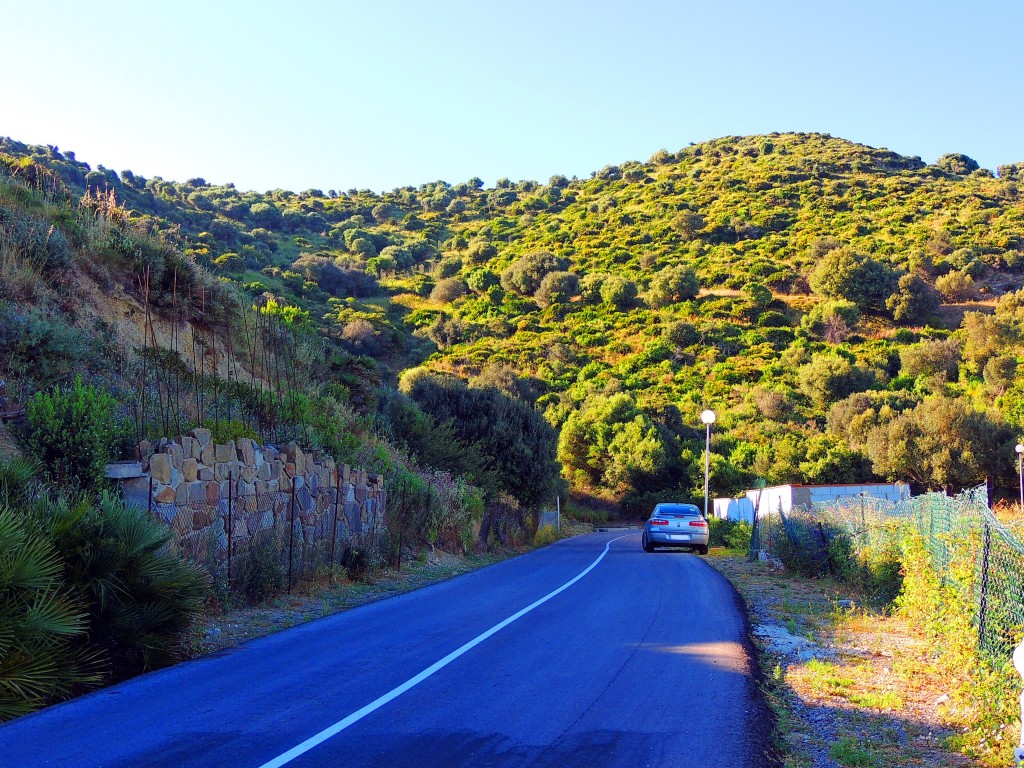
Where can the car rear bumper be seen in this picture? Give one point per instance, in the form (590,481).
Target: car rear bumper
(672,539)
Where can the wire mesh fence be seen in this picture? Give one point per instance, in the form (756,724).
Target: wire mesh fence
(256,545)
(956,530)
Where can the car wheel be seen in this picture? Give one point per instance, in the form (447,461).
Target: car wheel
(702,550)
(648,547)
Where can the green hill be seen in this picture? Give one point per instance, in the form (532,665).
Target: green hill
(849,313)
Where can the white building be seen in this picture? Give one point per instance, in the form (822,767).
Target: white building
(786,497)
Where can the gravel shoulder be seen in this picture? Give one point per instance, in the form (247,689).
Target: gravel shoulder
(329,595)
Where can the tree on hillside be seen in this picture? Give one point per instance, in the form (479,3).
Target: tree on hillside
(937,357)
(914,300)
(265,215)
(943,443)
(832,320)
(525,274)
(688,224)
(610,444)
(844,274)
(673,284)
(984,337)
(957,286)
(557,288)
(519,445)
(954,162)
(618,292)
(831,377)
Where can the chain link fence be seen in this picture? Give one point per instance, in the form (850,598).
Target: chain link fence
(955,529)
(257,545)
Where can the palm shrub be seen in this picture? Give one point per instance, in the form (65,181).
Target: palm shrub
(40,660)
(140,596)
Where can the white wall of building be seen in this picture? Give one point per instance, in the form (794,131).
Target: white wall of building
(734,509)
(786,497)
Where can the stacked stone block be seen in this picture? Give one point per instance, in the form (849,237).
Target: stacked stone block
(204,489)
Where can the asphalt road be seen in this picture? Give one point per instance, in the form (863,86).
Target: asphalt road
(643,660)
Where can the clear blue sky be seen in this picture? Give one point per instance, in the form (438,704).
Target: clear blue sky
(336,95)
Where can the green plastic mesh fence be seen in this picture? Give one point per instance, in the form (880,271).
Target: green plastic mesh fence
(951,526)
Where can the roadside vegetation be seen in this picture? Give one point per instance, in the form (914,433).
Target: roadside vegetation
(874,656)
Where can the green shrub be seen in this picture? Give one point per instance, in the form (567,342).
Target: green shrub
(70,433)
(140,596)
(259,573)
(876,570)
(739,537)
(39,623)
(41,346)
(718,529)
(34,239)
(545,535)
(733,534)
(224,430)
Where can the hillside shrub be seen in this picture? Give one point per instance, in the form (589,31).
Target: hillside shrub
(34,239)
(70,432)
(41,346)
(260,573)
(673,284)
(525,274)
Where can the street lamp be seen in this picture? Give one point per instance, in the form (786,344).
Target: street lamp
(1020,473)
(708,417)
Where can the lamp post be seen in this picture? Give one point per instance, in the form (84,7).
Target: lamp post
(708,417)
(1020,473)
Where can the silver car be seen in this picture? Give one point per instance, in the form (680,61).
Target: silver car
(676,525)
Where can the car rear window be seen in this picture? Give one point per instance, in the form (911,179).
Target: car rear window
(677,509)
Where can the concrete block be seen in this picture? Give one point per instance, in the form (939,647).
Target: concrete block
(136,491)
(123,470)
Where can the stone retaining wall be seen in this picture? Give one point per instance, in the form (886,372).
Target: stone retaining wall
(206,490)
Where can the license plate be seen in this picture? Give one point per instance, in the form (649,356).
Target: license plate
(680,537)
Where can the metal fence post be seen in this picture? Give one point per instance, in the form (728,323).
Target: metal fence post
(231,526)
(337,501)
(150,502)
(1018,664)
(983,601)
(291,536)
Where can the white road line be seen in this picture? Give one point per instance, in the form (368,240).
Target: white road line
(394,693)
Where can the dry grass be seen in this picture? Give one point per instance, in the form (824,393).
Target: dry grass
(856,687)
(20,278)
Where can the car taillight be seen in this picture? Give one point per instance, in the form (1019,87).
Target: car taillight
(698,524)
(659,522)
